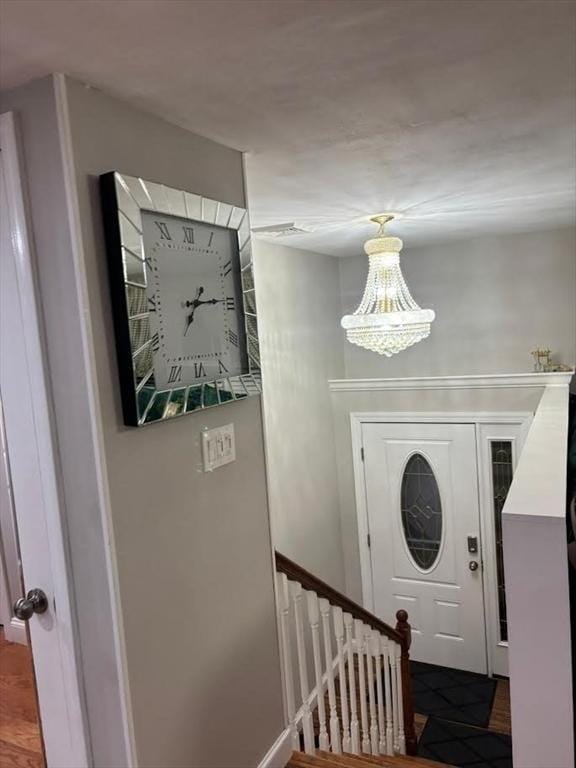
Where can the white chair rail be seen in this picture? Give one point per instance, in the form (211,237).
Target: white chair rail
(344,680)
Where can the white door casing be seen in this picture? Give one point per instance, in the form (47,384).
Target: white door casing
(444,600)
(10,572)
(34,471)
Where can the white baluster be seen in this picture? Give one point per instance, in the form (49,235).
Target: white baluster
(296,591)
(339,632)
(371,696)
(314,618)
(354,724)
(394,694)
(359,631)
(401,735)
(334,723)
(380,701)
(284,605)
(386,645)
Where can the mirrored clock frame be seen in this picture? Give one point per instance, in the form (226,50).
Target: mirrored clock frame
(124,198)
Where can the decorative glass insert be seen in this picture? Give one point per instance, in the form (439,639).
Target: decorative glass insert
(502,471)
(421,511)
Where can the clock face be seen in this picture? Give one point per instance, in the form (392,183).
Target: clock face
(183,298)
(194,294)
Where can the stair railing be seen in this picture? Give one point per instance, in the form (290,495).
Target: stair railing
(361,699)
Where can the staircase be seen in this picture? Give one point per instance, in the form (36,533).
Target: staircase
(358,712)
(330,760)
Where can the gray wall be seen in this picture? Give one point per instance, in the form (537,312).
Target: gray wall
(495,298)
(299,315)
(194,558)
(193,550)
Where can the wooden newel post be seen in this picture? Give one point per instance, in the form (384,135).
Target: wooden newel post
(404,629)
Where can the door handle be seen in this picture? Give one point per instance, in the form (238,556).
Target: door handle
(34,602)
(473,565)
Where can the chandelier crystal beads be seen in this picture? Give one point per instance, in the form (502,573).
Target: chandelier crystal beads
(388,319)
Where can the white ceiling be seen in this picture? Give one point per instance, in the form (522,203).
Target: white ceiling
(459,113)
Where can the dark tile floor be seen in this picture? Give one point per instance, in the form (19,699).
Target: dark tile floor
(452,694)
(463,719)
(464,746)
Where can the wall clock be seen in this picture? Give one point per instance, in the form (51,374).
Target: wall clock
(182,288)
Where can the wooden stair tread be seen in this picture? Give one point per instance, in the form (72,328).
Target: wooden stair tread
(360,761)
(346,760)
(402,760)
(302,760)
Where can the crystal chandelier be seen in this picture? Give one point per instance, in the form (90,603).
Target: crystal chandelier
(388,319)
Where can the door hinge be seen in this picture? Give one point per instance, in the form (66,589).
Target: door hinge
(369,540)
(362,453)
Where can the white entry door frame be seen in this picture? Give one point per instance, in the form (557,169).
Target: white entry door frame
(512,426)
(35,476)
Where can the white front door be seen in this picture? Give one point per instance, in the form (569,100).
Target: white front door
(423,517)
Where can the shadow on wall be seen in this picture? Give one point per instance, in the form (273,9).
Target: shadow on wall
(571,525)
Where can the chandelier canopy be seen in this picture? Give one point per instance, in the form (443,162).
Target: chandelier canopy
(388,319)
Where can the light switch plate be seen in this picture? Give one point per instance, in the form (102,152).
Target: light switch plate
(218,447)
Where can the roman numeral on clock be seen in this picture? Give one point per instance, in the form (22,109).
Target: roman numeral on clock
(188,234)
(210,239)
(233,337)
(221,367)
(155,342)
(175,374)
(227,268)
(199,370)
(151,304)
(163,227)
(230,303)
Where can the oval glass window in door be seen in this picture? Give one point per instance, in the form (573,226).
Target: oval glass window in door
(421,511)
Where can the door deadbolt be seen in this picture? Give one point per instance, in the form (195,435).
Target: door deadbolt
(473,565)
(34,602)
(473,544)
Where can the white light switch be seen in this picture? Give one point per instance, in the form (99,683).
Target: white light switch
(218,447)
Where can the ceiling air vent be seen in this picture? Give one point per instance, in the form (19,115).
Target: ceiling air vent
(280,230)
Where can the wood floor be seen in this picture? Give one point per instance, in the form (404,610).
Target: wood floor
(20,739)
(500,715)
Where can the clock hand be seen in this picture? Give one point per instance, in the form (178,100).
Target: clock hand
(194,304)
(210,301)
(197,302)
(189,321)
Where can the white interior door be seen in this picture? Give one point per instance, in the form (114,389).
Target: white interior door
(34,468)
(10,572)
(423,517)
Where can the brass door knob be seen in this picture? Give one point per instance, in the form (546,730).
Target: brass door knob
(34,602)
(473,565)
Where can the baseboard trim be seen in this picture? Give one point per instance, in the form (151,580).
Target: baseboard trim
(279,753)
(15,631)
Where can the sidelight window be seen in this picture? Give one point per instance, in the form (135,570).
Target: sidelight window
(502,470)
